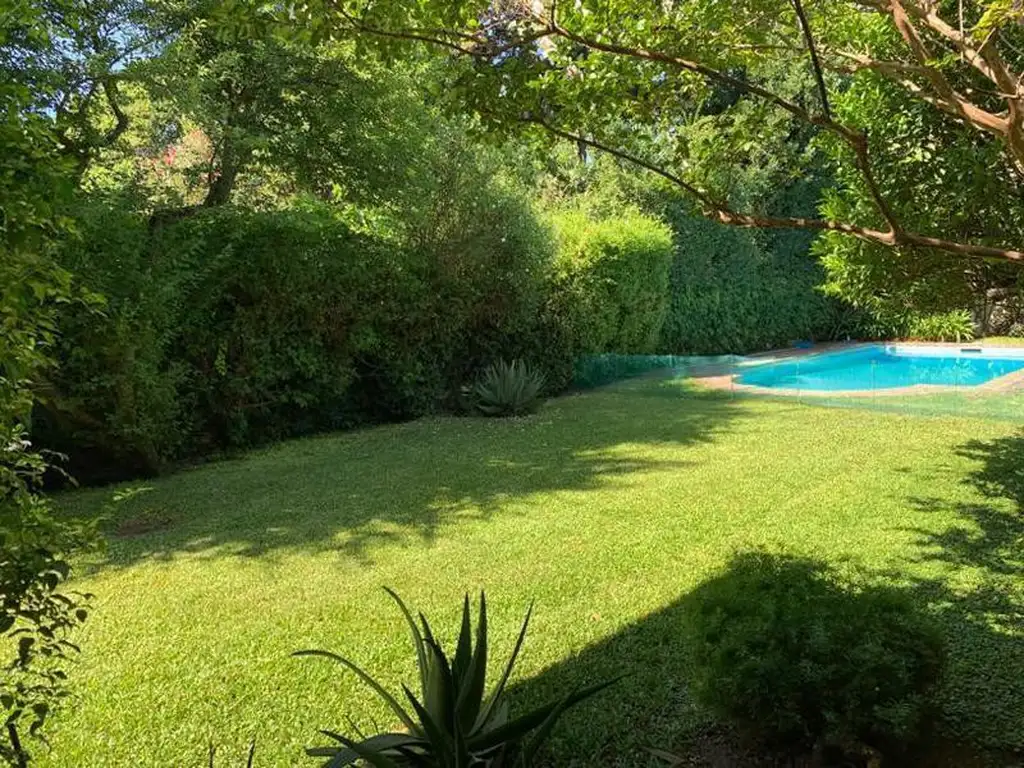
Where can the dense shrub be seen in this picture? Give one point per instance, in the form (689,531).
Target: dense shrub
(946,326)
(231,327)
(737,291)
(786,649)
(115,395)
(39,615)
(610,283)
(731,290)
(956,325)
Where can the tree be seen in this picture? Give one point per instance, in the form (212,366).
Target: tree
(36,614)
(593,71)
(73,57)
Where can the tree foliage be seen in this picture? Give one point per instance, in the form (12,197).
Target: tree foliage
(598,70)
(36,613)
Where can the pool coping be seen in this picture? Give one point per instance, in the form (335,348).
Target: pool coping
(1007,383)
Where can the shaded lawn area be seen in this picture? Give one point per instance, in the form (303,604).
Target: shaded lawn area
(607,508)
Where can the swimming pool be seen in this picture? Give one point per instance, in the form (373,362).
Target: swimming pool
(887,366)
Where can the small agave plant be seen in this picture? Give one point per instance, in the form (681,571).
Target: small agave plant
(452,723)
(508,389)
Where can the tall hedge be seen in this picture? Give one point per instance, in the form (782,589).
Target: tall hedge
(610,280)
(230,327)
(732,291)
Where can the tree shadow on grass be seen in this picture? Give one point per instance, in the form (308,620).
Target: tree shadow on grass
(981,593)
(652,706)
(992,538)
(978,600)
(403,482)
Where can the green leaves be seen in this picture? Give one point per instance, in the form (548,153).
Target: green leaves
(508,389)
(452,724)
(612,275)
(790,649)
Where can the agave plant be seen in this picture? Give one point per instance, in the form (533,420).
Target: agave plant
(508,389)
(452,723)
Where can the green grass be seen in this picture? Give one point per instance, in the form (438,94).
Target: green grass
(607,508)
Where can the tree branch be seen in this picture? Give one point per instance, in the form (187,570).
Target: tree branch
(707,72)
(819,78)
(110,91)
(720,212)
(438,37)
(984,58)
(703,197)
(856,140)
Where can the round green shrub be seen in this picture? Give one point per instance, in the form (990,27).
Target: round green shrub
(788,651)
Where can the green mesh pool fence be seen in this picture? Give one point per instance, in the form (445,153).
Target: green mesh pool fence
(969,402)
(598,370)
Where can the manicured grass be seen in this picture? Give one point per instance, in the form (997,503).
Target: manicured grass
(606,508)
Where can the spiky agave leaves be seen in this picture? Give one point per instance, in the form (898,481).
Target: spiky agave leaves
(452,723)
(508,389)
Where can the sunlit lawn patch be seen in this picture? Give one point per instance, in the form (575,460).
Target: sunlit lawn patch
(607,508)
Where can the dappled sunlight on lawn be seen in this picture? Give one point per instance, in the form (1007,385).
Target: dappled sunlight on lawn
(350,492)
(606,508)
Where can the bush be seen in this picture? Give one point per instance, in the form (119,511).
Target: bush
(453,722)
(229,328)
(948,326)
(508,389)
(610,282)
(38,614)
(734,292)
(787,650)
(114,397)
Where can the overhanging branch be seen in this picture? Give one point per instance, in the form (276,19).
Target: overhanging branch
(713,209)
(819,77)
(720,212)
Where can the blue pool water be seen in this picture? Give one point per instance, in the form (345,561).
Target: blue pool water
(886,367)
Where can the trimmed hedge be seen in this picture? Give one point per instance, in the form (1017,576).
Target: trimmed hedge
(610,282)
(230,328)
(739,291)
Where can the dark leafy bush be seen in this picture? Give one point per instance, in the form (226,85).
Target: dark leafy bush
(737,291)
(226,327)
(229,328)
(114,398)
(453,722)
(38,613)
(786,649)
(508,389)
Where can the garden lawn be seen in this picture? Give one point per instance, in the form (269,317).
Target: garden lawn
(606,508)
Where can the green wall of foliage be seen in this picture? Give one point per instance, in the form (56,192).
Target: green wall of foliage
(738,291)
(230,328)
(611,279)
